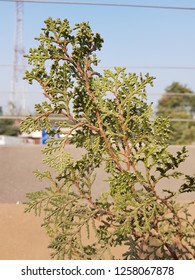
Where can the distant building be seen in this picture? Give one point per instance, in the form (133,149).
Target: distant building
(32,138)
(41,137)
(9,140)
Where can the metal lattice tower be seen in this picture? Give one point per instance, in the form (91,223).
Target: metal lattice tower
(17,101)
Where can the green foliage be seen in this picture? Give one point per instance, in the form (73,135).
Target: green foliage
(7,128)
(108,116)
(179,103)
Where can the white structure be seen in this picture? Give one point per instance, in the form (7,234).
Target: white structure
(9,140)
(32,138)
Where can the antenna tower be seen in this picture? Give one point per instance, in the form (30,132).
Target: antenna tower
(17,101)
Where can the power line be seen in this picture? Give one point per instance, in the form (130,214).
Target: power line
(132,67)
(106,4)
(169,94)
(62,118)
(152,67)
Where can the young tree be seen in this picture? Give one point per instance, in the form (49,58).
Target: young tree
(178,102)
(112,121)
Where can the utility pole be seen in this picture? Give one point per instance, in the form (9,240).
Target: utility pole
(17,100)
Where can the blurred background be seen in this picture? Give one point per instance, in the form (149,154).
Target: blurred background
(145,36)
(155,37)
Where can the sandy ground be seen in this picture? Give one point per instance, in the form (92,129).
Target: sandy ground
(17,164)
(21,235)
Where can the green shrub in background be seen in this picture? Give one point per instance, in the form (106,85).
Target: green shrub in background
(178,103)
(7,127)
(111,120)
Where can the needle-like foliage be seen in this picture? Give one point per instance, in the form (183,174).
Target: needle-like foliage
(108,116)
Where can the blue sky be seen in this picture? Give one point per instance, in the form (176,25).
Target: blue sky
(132,37)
